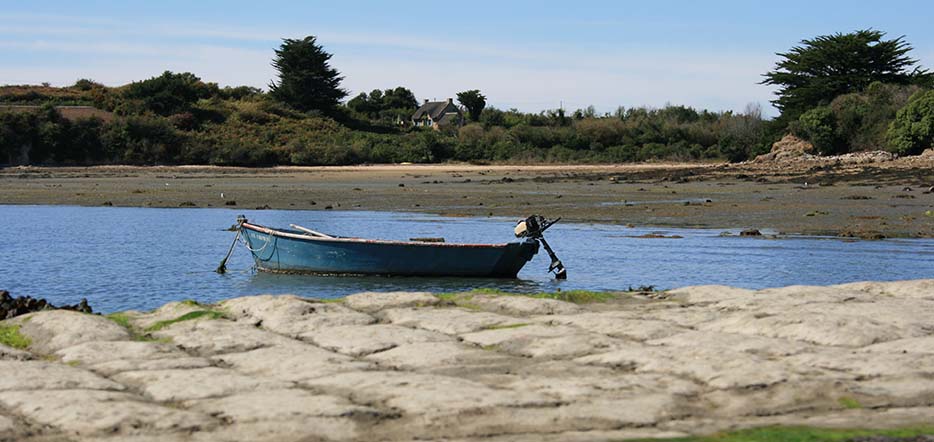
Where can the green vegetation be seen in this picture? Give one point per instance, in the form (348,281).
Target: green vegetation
(842,92)
(827,66)
(122,319)
(10,336)
(913,128)
(861,120)
(474,102)
(800,434)
(209,314)
(854,92)
(850,403)
(307,82)
(506,327)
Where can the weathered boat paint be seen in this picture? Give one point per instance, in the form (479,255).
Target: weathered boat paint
(292,251)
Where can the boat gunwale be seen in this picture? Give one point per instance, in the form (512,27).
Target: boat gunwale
(280,233)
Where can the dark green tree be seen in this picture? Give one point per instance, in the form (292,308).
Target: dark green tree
(399,98)
(818,70)
(306,79)
(474,101)
(361,104)
(385,106)
(170,93)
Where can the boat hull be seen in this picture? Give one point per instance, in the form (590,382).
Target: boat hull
(289,251)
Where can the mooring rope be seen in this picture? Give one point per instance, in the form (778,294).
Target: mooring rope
(222,268)
(247,245)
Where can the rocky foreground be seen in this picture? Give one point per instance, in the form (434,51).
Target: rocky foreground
(402,366)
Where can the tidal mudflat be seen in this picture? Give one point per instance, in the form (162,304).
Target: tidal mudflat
(476,366)
(812,197)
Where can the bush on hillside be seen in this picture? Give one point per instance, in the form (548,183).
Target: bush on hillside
(912,131)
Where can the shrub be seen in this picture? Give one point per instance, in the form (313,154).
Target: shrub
(142,140)
(912,131)
(819,126)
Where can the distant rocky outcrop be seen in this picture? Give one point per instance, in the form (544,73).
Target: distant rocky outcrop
(791,149)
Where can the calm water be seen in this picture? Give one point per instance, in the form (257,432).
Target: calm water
(136,258)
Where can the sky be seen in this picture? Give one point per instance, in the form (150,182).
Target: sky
(529,55)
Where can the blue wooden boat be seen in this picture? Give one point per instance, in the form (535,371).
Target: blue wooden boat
(302,250)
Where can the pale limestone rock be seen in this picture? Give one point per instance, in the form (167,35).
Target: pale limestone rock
(111,368)
(855,364)
(199,383)
(497,336)
(758,345)
(781,398)
(183,436)
(13,354)
(686,317)
(292,316)
(814,327)
(90,353)
(360,340)
(917,289)
(8,428)
(372,302)
(924,344)
(214,337)
(53,330)
(440,357)
(452,321)
(906,317)
(90,412)
(843,419)
(293,362)
(311,429)
(538,340)
(523,305)
(582,436)
(901,391)
(167,312)
(708,294)
(616,325)
(596,414)
(425,394)
(601,385)
(43,375)
(717,368)
(277,405)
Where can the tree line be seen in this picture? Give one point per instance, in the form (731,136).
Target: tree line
(842,92)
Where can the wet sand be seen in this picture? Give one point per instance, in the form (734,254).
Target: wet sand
(886,199)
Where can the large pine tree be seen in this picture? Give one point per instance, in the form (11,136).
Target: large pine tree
(820,69)
(306,79)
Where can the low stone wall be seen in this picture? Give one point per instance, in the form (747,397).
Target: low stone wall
(401,366)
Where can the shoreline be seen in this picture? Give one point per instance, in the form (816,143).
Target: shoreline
(688,362)
(887,199)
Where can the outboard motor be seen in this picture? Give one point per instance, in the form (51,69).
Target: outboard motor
(534,227)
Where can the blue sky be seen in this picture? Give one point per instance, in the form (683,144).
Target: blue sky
(531,55)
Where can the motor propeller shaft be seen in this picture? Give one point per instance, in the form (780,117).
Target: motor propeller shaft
(534,227)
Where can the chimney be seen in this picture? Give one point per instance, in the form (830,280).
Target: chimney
(426,101)
(450,100)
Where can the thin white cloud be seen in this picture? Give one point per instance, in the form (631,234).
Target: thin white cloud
(530,78)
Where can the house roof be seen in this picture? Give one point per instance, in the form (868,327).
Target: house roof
(434,109)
